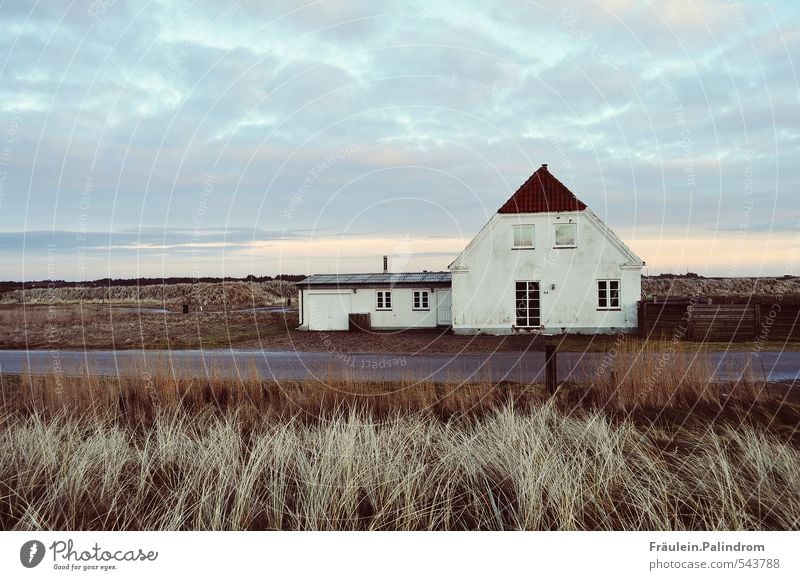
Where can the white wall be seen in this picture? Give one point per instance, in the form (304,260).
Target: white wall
(484,277)
(315,305)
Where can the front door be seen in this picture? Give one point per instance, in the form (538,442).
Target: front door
(528,309)
(444,313)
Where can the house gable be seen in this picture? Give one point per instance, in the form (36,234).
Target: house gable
(459,262)
(543,193)
(632,260)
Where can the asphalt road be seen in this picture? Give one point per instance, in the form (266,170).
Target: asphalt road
(469,367)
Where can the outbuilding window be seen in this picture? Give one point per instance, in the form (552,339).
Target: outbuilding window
(421,300)
(384,300)
(523,236)
(566,235)
(608,295)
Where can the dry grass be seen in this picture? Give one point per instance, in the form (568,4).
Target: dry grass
(96,326)
(17,318)
(634,373)
(161,451)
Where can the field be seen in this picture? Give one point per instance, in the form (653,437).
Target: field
(145,317)
(98,326)
(664,451)
(104,327)
(236,314)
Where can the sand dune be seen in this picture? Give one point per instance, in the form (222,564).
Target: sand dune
(720,287)
(207,295)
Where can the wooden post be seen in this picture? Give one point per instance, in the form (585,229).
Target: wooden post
(756,320)
(550,368)
(643,321)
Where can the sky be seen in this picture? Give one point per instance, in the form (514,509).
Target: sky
(208,138)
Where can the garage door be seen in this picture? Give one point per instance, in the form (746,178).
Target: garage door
(328,311)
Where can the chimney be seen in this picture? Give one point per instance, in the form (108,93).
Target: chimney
(386,264)
(544,166)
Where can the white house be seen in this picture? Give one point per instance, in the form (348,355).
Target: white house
(392,300)
(546,263)
(543,263)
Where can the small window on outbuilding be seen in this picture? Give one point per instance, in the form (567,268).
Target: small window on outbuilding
(383,300)
(566,235)
(523,235)
(421,300)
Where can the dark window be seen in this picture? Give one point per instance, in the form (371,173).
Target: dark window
(608,294)
(421,300)
(384,300)
(528,312)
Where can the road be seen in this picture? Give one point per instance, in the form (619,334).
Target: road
(468,367)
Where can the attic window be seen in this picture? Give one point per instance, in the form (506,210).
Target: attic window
(523,236)
(566,235)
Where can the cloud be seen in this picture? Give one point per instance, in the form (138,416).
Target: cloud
(123,118)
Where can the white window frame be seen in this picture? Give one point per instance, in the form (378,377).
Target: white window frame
(421,300)
(555,235)
(518,227)
(383,300)
(605,285)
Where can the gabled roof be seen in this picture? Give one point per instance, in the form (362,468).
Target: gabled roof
(379,279)
(542,193)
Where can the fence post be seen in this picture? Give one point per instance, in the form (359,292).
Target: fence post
(756,320)
(550,368)
(643,321)
(689,322)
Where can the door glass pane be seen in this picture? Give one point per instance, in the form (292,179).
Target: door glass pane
(527,304)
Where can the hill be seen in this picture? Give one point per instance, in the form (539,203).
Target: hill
(172,296)
(722,289)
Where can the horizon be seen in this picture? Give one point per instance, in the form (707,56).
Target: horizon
(213,279)
(196,140)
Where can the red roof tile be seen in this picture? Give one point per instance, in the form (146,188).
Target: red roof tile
(542,193)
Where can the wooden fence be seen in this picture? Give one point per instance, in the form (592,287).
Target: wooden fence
(358,322)
(684,318)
